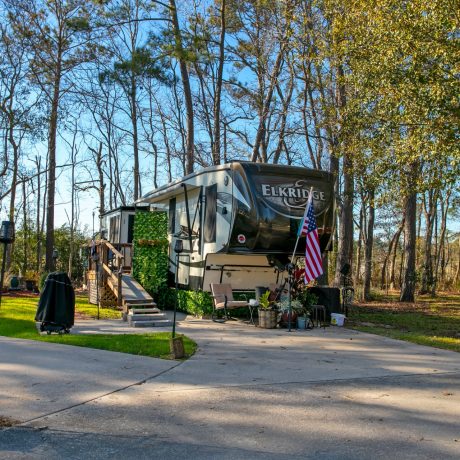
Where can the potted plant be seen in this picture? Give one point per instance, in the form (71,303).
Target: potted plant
(296,311)
(268,313)
(306,299)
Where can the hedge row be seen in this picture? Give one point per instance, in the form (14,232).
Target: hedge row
(197,303)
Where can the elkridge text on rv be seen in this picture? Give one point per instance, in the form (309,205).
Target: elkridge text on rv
(290,192)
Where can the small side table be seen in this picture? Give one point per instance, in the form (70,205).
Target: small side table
(253,305)
(318,316)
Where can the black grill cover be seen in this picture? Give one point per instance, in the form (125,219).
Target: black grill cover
(57,301)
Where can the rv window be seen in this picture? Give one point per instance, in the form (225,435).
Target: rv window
(114,229)
(172,216)
(209,233)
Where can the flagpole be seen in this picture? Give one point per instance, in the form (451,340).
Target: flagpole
(310,196)
(290,266)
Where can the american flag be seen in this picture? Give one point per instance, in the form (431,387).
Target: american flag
(313,261)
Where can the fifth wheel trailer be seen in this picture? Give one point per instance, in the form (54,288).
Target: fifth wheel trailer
(238,222)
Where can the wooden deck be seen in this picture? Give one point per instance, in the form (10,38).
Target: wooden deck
(130,291)
(133,291)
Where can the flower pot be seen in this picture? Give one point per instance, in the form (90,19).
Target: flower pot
(285,319)
(301,322)
(14,283)
(268,319)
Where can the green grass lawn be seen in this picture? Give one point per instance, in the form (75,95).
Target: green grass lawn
(429,321)
(17,320)
(89,310)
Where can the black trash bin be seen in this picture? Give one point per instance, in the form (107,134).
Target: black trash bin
(329,297)
(56,308)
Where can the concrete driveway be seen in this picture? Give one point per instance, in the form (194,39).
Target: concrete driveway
(247,393)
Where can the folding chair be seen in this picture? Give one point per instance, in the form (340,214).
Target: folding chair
(222,295)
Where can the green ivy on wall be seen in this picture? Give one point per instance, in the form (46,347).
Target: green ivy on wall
(150,266)
(150,250)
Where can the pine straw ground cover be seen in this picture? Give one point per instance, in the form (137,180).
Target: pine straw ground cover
(432,321)
(17,313)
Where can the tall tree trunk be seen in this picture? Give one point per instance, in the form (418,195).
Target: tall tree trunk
(440,248)
(25,264)
(186,87)
(360,245)
(410,214)
(402,261)
(37,220)
(137,176)
(216,154)
(430,209)
(392,277)
(101,189)
(45,200)
(369,247)
(345,249)
(72,213)
(111,179)
(385,280)
(53,122)
(14,181)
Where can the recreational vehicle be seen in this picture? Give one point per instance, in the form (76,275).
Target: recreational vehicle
(238,222)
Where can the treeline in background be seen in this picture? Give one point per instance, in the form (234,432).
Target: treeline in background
(100,101)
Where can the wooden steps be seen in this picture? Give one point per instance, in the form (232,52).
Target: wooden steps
(146,315)
(139,309)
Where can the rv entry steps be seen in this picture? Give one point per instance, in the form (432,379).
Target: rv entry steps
(146,315)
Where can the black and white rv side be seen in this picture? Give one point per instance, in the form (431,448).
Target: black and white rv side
(239,221)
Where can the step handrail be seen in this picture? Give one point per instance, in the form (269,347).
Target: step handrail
(117,254)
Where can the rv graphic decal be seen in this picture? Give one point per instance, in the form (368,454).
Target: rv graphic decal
(293,196)
(290,198)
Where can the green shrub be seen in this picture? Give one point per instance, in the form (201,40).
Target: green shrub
(197,303)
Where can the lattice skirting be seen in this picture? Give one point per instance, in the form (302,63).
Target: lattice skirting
(107,297)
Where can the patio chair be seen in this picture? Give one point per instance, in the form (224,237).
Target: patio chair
(222,295)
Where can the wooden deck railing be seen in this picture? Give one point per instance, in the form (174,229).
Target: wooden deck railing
(114,281)
(114,259)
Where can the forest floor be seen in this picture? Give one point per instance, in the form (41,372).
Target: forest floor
(432,321)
